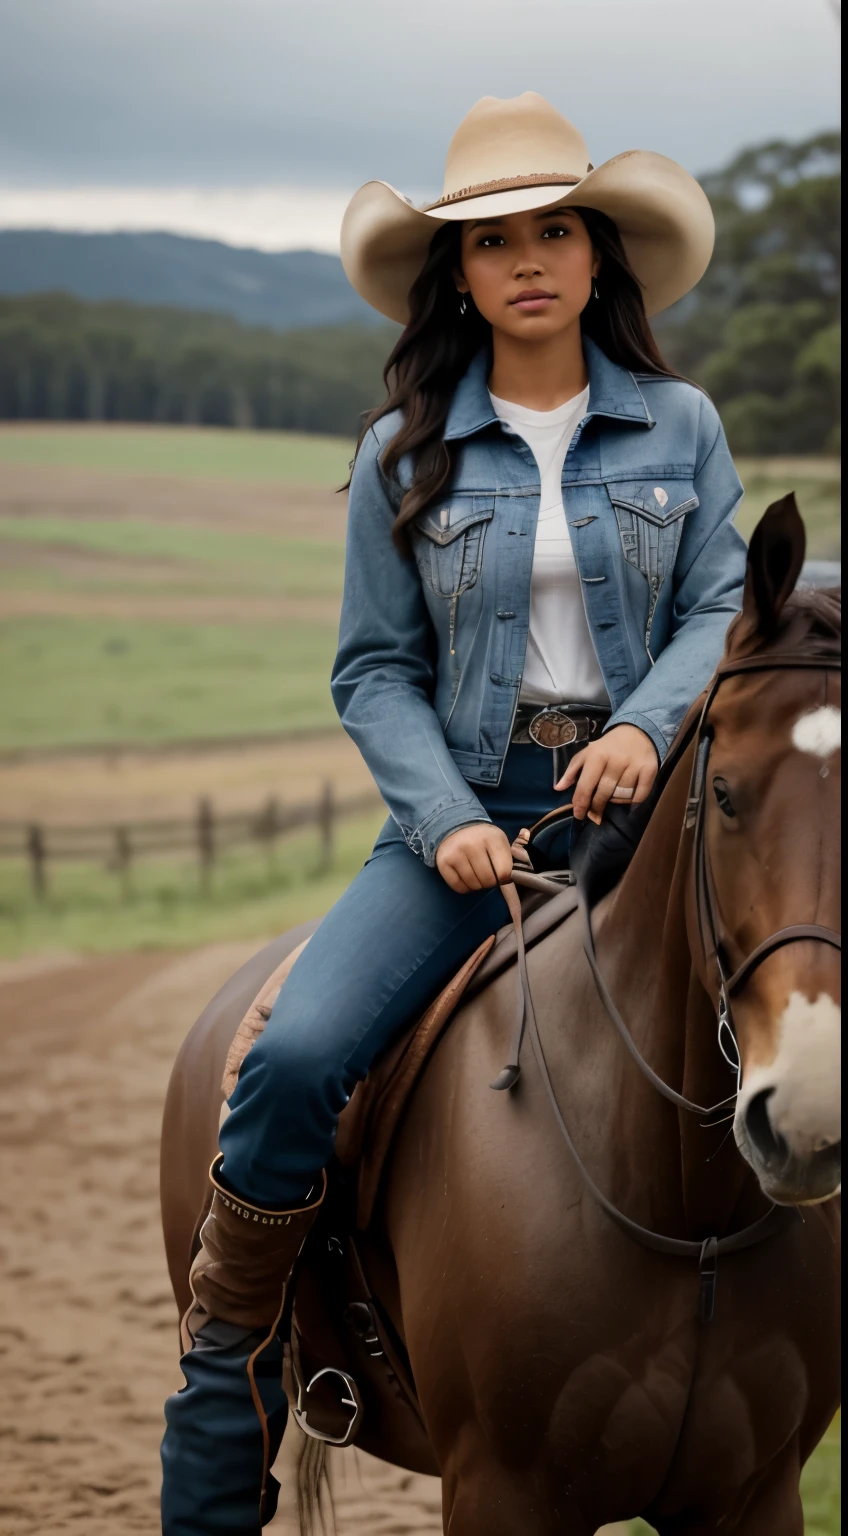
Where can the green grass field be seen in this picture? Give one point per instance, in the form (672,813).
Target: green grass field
(821,1485)
(79,677)
(293,458)
(81,681)
(818,491)
(179,559)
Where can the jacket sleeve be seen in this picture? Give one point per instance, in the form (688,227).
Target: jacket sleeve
(709,575)
(384,674)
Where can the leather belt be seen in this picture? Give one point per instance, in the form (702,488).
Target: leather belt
(559,725)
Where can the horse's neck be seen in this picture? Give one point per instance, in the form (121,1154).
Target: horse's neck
(644,951)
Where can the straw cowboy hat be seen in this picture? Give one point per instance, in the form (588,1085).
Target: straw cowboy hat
(511,155)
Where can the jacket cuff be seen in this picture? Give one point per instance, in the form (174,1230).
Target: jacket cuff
(645,723)
(426,837)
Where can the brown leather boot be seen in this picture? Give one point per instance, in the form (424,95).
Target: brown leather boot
(246,1256)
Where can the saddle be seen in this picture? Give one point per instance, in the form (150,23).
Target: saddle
(349,1373)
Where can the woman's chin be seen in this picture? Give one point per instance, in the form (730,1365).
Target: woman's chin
(537,325)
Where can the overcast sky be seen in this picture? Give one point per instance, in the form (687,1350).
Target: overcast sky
(254,120)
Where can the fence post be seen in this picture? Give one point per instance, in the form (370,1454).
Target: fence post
(37,858)
(123,858)
(326,820)
(205,842)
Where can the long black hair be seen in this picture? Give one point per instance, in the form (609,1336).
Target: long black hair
(434,350)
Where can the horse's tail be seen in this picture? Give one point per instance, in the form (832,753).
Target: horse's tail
(314,1495)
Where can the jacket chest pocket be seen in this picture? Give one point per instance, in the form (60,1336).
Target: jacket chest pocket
(447,541)
(650,524)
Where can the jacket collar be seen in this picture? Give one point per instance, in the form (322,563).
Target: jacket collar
(471,408)
(613,391)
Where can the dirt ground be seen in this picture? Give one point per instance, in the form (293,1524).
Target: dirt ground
(109,577)
(253,507)
(88,1342)
(129,786)
(88,1335)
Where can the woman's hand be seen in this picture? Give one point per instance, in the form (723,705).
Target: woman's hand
(620,766)
(475,858)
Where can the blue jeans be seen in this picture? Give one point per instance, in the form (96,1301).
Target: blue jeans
(379,957)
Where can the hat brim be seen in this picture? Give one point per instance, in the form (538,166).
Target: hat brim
(662,214)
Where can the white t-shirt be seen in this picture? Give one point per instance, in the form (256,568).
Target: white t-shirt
(560,664)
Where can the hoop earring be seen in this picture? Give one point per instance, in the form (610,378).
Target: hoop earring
(595,293)
(463,303)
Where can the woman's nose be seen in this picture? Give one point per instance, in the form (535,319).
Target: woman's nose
(527,264)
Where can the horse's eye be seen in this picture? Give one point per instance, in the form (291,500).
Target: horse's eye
(722,794)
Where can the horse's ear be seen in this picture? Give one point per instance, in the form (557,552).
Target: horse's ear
(775,558)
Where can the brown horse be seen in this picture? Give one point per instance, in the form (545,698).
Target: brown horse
(563,1373)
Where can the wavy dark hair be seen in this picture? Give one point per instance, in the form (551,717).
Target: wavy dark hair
(434,350)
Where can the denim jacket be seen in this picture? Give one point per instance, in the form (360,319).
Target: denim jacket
(431,648)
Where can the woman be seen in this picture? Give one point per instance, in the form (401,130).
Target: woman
(541,567)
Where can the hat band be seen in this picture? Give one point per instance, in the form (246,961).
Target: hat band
(507,184)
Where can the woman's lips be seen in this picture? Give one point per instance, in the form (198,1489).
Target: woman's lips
(533,299)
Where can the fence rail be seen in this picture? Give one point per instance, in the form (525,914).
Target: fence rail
(207,834)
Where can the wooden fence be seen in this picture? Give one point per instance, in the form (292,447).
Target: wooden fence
(206,835)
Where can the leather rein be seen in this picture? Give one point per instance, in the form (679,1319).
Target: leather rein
(776,1218)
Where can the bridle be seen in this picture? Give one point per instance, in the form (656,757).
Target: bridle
(776,1218)
(708,927)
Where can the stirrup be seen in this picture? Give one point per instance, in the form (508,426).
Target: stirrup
(349,1398)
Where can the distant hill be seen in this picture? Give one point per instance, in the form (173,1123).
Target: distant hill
(283,290)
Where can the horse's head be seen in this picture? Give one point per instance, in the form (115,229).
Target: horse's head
(771,791)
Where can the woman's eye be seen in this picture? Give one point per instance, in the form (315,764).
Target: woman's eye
(490,240)
(722,794)
(554,231)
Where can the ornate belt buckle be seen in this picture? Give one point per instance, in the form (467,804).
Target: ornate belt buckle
(553,728)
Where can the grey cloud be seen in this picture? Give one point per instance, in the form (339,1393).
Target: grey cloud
(334,91)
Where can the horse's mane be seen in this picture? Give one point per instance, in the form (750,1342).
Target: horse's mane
(810,621)
(813,614)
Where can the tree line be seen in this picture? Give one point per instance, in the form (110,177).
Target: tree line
(761,334)
(64,359)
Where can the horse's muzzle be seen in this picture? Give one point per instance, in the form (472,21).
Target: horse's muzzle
(787,1176)
(788,1121)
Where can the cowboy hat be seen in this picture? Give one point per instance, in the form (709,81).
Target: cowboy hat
(511,155)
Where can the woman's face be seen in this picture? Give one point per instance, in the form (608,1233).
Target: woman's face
(529,274)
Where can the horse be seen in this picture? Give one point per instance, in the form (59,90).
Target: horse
(550,1257)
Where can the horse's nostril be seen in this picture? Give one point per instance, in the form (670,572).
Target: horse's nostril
(770,1147)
